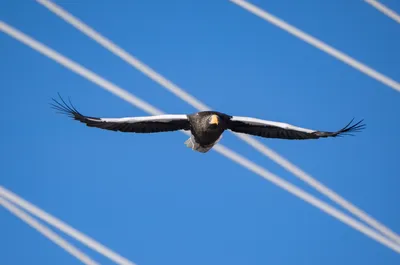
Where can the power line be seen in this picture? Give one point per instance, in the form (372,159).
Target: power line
(179,92)
(123,54)
(318,44)
(47,233)
(385,10)
(7,194)
(80,70)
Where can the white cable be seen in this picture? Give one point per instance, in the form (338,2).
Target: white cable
(7,194)
(179,92)
(318,44)
(385,10)
(47,232)
(122,54)
(73,66)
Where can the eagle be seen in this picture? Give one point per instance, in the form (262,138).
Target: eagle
(206,127)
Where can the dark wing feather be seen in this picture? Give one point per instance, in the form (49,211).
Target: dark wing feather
(270,129)
(150,124)
(346,130)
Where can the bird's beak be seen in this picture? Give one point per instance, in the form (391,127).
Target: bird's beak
(214,119)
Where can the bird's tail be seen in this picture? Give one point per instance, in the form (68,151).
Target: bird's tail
(191,143)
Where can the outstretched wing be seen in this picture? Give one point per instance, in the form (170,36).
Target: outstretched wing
(270,129)
(149,124)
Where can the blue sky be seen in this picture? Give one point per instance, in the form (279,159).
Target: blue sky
(155,201)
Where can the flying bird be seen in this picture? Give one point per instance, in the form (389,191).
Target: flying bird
(206,127)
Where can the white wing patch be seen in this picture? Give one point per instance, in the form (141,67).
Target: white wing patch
(255,121)
(158,118)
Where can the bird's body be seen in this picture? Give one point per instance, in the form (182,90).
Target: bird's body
(205,132)
(206,127)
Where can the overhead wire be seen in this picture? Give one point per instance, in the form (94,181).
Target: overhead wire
(62,226)
(89,75)
(384,9)
(185,96)
(363,68)
(58,240)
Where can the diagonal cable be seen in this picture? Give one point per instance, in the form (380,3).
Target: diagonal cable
(47,232)
(318,44)
(67,229)
(384,9)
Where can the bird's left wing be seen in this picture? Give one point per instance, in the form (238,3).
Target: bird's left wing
(271,129)
(147,124)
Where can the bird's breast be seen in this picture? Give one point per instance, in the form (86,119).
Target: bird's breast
(206,137)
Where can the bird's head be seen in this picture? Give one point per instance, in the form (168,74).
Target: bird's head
(213,121)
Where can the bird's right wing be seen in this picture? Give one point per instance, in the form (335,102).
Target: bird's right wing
(271,129)
(147,124)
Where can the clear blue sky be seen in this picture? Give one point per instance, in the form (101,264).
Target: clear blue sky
(157,202)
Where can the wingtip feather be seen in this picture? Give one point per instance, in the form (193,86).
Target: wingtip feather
(352,128)
(62,107)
